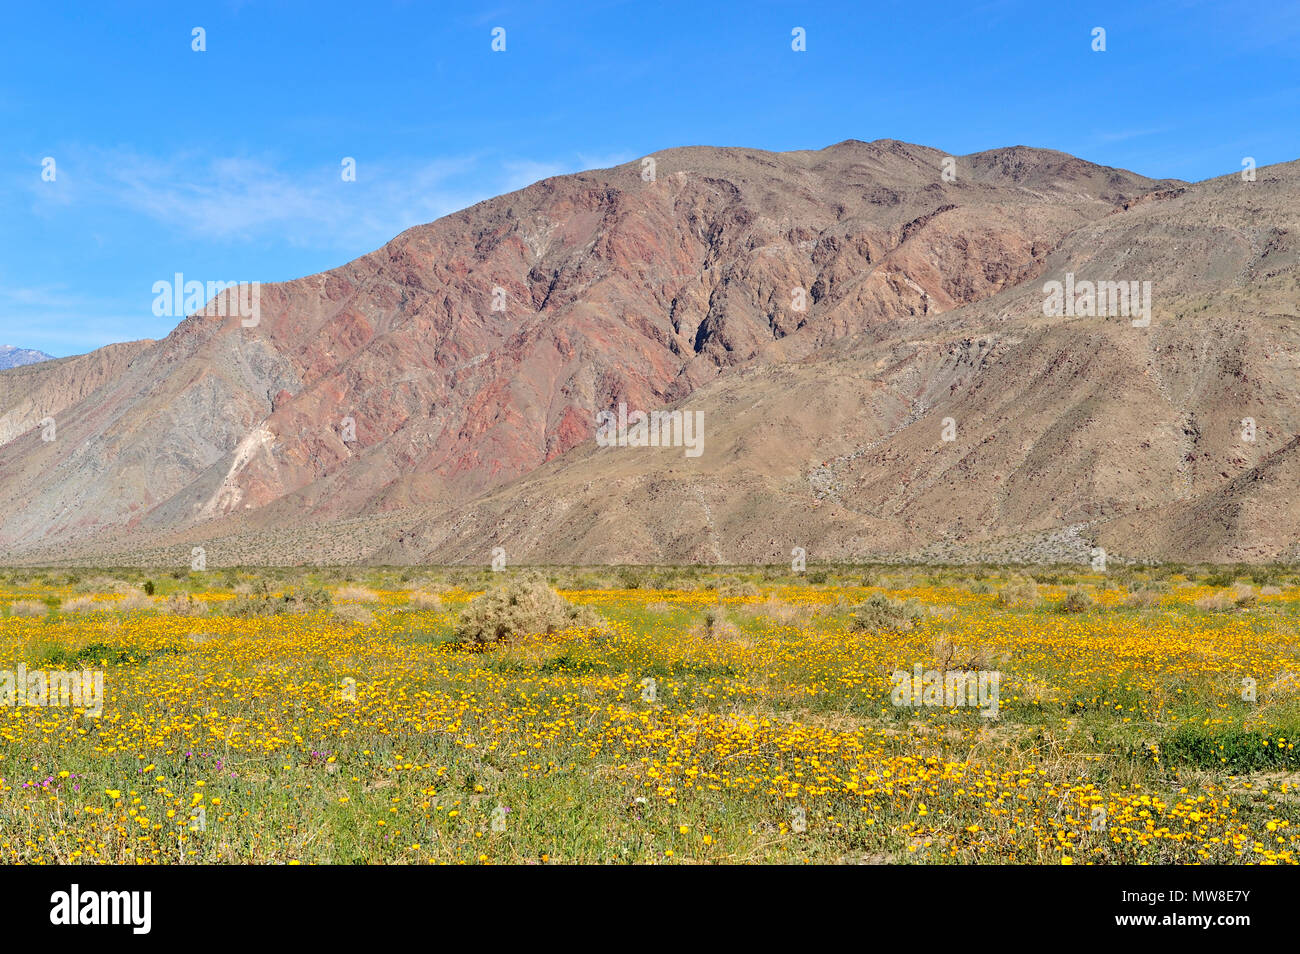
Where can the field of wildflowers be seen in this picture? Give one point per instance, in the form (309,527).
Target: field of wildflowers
(729,716)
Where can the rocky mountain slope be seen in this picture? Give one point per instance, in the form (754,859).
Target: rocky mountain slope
(832,315)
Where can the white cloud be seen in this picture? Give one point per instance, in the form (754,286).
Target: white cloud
(213,201)
(241,198)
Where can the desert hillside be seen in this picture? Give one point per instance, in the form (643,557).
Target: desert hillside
(861,331)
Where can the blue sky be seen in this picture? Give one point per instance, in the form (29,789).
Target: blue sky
(225,164)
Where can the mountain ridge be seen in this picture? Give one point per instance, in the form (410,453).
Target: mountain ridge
(472,428)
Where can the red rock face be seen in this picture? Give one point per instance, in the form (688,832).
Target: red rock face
(470,351)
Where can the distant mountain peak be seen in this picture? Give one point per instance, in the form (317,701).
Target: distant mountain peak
(12,356)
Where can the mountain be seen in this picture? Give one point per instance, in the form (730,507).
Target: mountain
(831,315)
(12,357)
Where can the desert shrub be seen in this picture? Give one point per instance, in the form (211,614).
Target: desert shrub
(1075,601)
(148,587)
(1264,576)
(1125,576)
(629,577)
(1141,599)
(1240,597)
(521,607)
(1214,603)
(879,613)
(244,606)
(731,586)
(259,588)
(102,584)
(134,602)
(779,611)
(310,597)
(948,655)
(422,599)
(818,576)
(980,587)
(82,604)
(28,608)
(354,613)
(262,603)
(1220,578)
(663,581)
(183,604)
(1018,592)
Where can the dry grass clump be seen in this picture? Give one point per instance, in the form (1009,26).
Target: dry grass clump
(354,613)
(183,604)
(134,602)
(83,604)
(521,607)
(423,599)
(31,608)
(879,613)
(1214,603)
(1241,596)
(1142,599)
(1285,682)
(786,614)
(356,594)
(948,656)
(1021,592)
